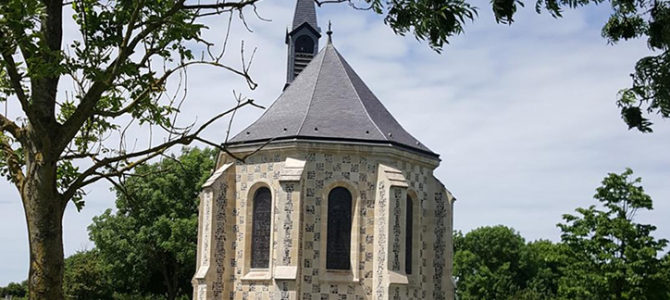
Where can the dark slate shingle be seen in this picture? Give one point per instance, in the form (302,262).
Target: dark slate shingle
(304,13)
(328,100)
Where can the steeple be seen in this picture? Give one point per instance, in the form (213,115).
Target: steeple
(302,39)
(304,13)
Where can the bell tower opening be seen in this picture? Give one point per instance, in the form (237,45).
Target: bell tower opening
(304,45)
(304,52)
(302,39)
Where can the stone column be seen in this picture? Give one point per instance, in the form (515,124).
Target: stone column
(389,232)
(442,244)
(450,246)
(288,220)
(211,252)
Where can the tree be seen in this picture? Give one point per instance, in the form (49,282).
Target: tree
(487,263)
(666,273)
(496,263)
(15,290)
(86,277)
(543,261)
(149,243)
(119,66)
(612,256)
(438,20)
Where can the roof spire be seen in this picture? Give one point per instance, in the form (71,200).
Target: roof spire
(330,32)
(302,38)
(305,12)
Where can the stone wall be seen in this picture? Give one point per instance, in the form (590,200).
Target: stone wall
(300,182)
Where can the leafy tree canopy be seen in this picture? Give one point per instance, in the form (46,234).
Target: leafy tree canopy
(15,290)
(496,263)
(612,256)
(86,277)
(603,254)
(149,243)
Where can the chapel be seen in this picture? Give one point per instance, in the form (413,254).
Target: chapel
(337,200)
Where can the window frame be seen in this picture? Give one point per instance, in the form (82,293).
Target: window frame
(417,229)
(249,272)
(334,275)
(329,239)
(254,222)
(409,235)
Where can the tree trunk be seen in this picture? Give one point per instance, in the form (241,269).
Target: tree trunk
(44,216)
(168,280)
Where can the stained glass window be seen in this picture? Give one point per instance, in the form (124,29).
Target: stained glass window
(339,229)
(408,236)
(260,234)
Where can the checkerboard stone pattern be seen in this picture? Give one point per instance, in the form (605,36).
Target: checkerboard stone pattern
(297,265)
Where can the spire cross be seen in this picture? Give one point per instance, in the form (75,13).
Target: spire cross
(330,31)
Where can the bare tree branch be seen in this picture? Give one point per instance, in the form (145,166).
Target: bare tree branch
(13,162)
(15,80)
(8,125)
(186,138)
(222,5)
(87,105)
(117,172)
(217,146)
(131,23)
(121,188)
(78,156)
(351,3)
(225,149)
(162,80)
(85,108)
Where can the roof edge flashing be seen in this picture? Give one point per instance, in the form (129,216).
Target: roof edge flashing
(352,141)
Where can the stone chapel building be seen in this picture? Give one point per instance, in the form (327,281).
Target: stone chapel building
(339,203)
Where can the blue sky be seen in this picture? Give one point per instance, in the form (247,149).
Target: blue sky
(523,116)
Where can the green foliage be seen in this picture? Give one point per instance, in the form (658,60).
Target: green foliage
(651,80)
(665,274)
(17,291)
(604,254)
(430,20)
(85,277)
(496,263)
(611,256)
(146,249)
(543,260)
(119,66)
(149,243)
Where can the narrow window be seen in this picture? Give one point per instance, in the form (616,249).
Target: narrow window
(260,233)
(408,236)
(339,229)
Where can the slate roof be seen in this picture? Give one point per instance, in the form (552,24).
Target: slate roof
(304,13)
(329,101)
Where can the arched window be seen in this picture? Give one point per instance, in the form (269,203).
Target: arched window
(260,233)
(339,229)
(304,44)
(408,236)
